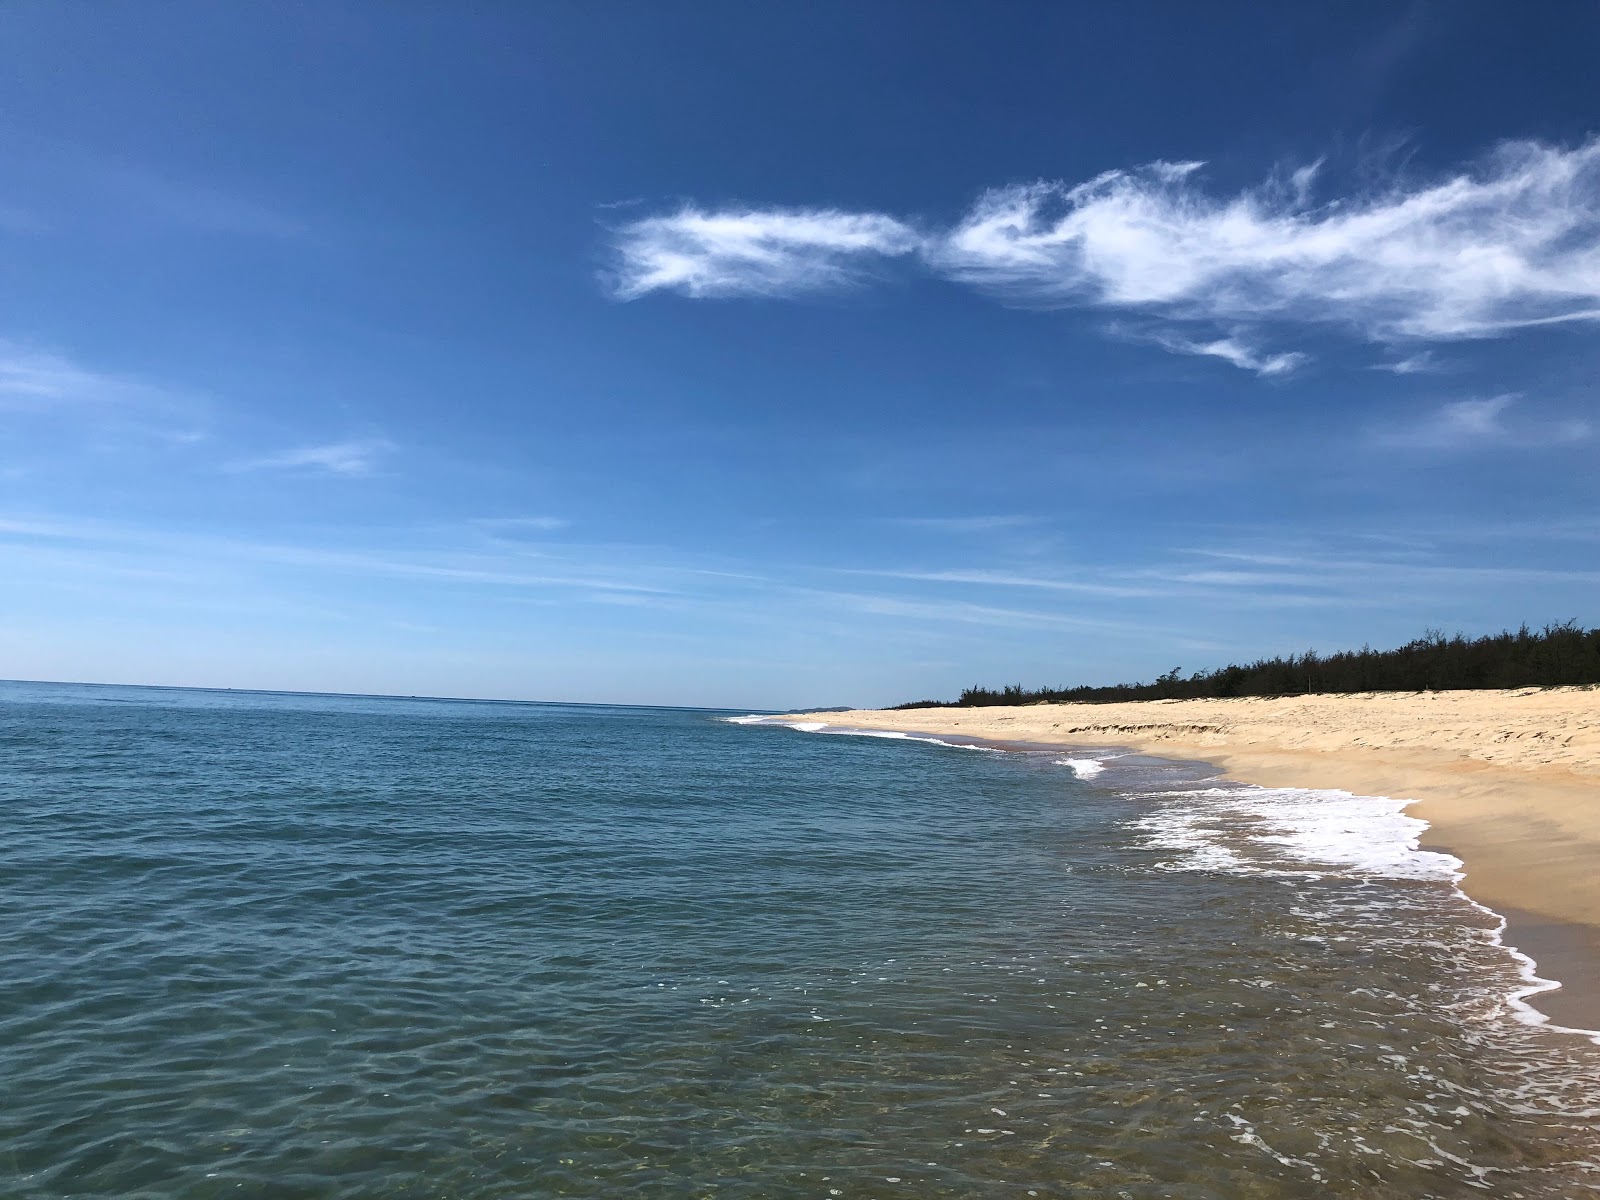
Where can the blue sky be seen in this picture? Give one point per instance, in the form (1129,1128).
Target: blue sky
(766,355)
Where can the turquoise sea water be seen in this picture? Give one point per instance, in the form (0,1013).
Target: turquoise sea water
(284,946)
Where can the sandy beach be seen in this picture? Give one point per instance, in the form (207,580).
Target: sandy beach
(1509,781)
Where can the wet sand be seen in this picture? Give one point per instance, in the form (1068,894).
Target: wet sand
(1509,782)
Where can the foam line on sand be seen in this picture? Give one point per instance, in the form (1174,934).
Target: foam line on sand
(1508,782)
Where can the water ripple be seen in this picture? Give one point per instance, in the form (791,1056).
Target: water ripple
(335,947)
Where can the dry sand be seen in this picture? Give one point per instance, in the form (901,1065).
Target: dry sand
(1508,780)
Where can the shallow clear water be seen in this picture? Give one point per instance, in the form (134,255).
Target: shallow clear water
(271,945)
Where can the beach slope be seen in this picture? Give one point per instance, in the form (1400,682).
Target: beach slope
(1509,781)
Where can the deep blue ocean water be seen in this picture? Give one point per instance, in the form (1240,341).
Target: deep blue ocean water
(282,945)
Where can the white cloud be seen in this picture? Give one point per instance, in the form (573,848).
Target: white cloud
(337,458)
(1511,242)
(1461,424)
(773,252)
(1234,350)
(1514,242)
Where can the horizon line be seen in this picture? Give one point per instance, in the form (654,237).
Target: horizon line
(184,687)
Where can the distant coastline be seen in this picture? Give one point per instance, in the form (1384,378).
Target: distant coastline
(1508,780)
(1561,654)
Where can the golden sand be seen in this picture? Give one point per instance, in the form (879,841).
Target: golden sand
(1509,781)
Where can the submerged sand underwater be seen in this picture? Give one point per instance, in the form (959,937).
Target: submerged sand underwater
(266,944)
(1509,781)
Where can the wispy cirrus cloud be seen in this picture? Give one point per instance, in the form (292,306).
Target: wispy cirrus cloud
(964,525)
(1328,568)
(351,458)
(963,612)
(194,204)
(522,525)
(1238,351)
(1424,362)
(1509,242)
(1463,424)
(753,252)
(57,185)
(100,543)
(45,388)
(522,531)
(1009,579)
(32,378)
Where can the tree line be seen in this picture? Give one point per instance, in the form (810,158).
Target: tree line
(1559,655)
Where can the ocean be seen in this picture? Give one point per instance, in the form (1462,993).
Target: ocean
(280,945)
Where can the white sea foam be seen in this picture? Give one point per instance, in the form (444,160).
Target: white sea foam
(1303,832)
(1533,984)
(824,727)
(898,736)
(1322,833)
(1307,831)
(1083,768)
(764,719)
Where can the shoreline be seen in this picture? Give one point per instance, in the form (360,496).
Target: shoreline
(1507,781)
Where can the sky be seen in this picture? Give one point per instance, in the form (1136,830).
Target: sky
(779,355)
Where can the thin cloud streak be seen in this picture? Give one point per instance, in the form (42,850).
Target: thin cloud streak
(540,522)
(1005,579)
(353,458)
(189,203)
(518,530)
(390,577)
(37,379)
(972,614)
(491,574)
(1422,363)
(1467,424)
(90,539)
(1236,351)
(960,525)
(102,408)
(1314,569)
